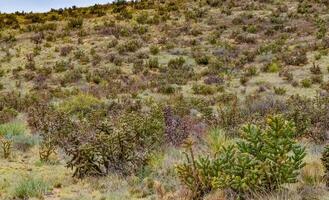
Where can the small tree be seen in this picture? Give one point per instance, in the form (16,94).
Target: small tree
(263,160)
(275,150)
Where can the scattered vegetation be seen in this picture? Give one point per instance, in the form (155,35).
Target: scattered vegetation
(206,99)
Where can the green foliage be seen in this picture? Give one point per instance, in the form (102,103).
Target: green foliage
(25,142)
(272,67)
(263,160)
(251,71)
(280,90)
(216,140)
(196,174)
(177,72)
(274,149)
(75,23)
(7,133)
(203,89)
(80,104)
(129,46)
(31,187)
(154,50)
(12,129)
(306,83)
(153,63)
(167,89)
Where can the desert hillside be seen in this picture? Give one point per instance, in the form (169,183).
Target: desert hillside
(166,99)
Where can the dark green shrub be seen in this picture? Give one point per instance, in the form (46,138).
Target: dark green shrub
(61,66)
(154,50)
(201,59)
(167,89)
(272,67)
(153,63)
(112,43)
(304,7)
(75,23)
(280,90)
(176,63)
(306,83)
(129,46)
(278,151)
(142,18)
(203,89)
(177,72)
(215,3)
(244,80)
(263,160)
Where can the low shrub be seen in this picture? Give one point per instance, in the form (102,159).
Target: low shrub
(7,133)
(310,116)
(25,142)
(153,63)
(80,104)
(306,83)
(280,90)
(202,59)
(167,89)
(31,187)
(154,50)
(296,57)
(7,115)
(75,23)
(203,89)
(129,46)
(272,67)
(177,72)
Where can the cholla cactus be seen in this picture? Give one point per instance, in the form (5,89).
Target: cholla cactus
(195,173)
(325,162)
(6,146)
(176,130)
